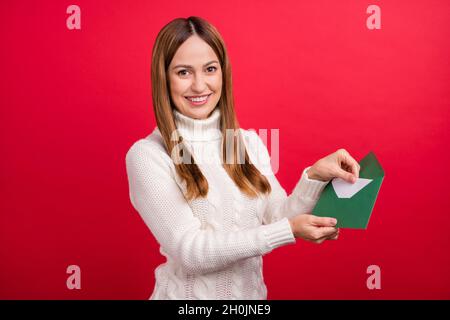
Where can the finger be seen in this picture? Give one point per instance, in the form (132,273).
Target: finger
(349,167)
(353,164)
(326,232)
(330,237)
(334,236)
(324,221)
(345,175)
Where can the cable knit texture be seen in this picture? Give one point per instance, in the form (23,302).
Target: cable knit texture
(213,245)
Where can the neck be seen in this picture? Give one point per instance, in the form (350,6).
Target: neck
(199,129)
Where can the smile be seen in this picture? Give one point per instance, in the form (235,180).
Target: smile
(200,100)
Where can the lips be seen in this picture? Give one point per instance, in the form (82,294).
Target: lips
(198,100)
(197,97)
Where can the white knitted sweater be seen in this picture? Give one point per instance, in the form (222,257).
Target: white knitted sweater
(213,245)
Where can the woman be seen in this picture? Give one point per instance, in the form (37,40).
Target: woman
(210,198)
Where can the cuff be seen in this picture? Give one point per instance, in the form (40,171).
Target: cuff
(309,188)
(278,234)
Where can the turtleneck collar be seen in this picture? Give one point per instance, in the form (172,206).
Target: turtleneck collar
(199,129)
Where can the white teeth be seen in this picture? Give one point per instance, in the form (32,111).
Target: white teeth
(198,99)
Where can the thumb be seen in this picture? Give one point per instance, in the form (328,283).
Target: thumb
(345,175)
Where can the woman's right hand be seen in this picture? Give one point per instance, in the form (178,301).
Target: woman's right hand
(313,228)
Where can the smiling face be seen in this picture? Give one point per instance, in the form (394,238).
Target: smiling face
(195,78)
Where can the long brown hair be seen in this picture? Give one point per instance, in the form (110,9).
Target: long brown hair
(245,175)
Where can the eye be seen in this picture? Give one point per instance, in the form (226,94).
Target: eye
(180,73)
(213,68)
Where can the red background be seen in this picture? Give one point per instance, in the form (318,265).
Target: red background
(73,102)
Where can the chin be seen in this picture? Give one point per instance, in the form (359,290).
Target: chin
(200,112)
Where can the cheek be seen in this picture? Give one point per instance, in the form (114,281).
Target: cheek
(178,88)
(217,83)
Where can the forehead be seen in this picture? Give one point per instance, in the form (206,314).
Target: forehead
(194,51)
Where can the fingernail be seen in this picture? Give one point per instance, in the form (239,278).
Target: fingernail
(334,221)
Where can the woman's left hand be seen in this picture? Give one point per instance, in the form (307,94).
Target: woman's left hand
(339,164)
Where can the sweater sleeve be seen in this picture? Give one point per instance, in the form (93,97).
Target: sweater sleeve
(155,194)
(278,205)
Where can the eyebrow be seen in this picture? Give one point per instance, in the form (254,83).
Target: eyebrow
(190,67)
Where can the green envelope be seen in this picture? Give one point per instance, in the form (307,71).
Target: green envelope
(352,204)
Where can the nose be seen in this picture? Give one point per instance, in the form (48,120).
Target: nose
(199,84)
